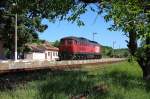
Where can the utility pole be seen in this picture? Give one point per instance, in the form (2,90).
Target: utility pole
(94,35)
(114,47)
(16,54)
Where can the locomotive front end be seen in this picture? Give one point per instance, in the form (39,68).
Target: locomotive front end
(66,48)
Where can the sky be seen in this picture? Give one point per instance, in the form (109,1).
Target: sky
(93,24)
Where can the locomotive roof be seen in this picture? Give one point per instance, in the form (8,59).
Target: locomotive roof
(70,37)
(80,39)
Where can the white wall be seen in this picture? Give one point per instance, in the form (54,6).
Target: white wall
(55,55)
(52,55)
(35,56)
(48,55)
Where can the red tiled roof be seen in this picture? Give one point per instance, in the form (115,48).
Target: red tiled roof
(42,47)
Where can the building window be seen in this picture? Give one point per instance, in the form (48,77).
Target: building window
(48,53)
(55,53)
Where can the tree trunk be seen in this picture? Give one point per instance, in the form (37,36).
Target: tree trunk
(146,73)
(132,45)
(145,67)
(144,60)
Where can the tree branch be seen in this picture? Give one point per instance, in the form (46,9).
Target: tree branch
(90,1)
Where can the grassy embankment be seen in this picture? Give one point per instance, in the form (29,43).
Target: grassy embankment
(115,81)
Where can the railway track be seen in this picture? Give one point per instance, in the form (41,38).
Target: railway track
(26,65)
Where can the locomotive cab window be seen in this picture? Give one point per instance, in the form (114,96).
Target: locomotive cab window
(62,41)
(69,41)
(75,42)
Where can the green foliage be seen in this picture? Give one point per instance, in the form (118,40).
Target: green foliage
(128,16)
(106,51)
(122,52)
(56,43)
(125,14)
(110,53)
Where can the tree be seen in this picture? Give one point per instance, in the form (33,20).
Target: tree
(125,54)
(133,18)
(106,51)
(110,53)
(30,14)
(27,27)
(56,43)
(130,17)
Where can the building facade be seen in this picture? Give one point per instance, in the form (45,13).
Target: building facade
(42,52)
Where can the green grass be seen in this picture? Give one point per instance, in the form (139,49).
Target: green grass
(119,81)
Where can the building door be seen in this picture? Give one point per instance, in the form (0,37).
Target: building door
(51,56)
(45,55)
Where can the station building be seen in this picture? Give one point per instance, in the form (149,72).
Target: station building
(42,52)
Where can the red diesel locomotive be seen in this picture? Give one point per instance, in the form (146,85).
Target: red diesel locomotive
(78,48)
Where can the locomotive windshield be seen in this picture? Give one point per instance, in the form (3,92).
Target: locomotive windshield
(66,41)
(69,42)
(62,41)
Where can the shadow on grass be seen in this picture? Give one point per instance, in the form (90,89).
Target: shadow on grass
(147,86)
(65,84)
(10,81)
(51,84)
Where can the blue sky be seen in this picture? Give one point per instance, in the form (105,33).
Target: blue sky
(93,24)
